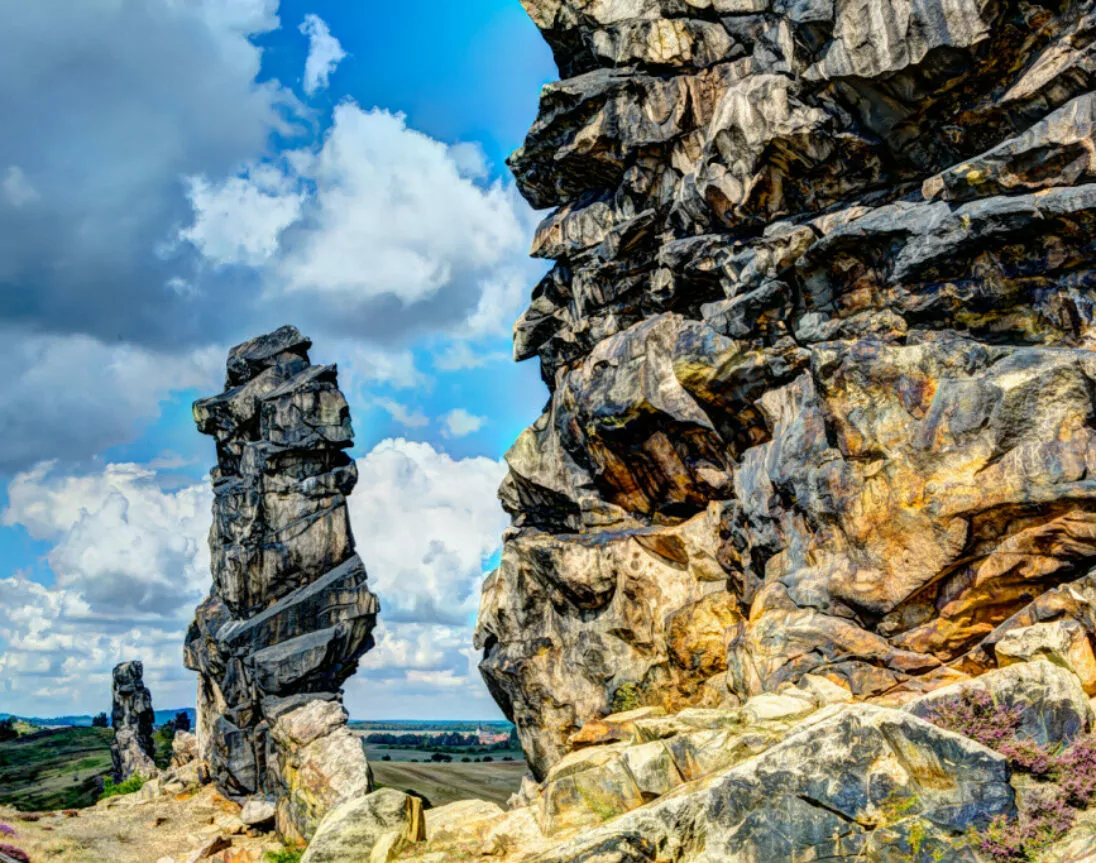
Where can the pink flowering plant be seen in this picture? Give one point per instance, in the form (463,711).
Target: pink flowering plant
(1048,812)
(14,853)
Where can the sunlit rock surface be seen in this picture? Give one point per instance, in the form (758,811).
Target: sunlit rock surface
(818,338)
(290,612)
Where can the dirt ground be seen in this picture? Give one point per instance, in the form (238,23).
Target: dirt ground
(132,833)
(122,830)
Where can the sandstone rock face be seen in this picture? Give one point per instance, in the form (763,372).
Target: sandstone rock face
(290,611)
(801,774)
(184,749)
(818,336)
(133,719)
(371,829)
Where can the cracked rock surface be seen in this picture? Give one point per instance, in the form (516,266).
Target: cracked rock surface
(290,611)
(818,334)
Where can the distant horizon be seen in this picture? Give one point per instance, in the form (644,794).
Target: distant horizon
(194,711)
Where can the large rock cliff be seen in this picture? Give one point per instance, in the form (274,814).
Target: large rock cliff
(290,611)
(819,341)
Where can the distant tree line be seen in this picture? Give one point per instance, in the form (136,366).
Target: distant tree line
(454,742)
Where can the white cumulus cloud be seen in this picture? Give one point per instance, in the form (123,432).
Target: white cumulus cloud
(131,561)
(243,217)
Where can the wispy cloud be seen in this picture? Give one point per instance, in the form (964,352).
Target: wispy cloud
(324,54)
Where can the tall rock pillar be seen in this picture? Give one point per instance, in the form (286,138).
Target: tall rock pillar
(290,612)
(133,719)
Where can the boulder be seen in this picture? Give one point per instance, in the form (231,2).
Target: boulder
(463,821)
(1063,642)
(384,821)
(184,748)
(853,782)
(258,813)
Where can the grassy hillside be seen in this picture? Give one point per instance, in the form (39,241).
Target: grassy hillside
(446,783)
(55,769)
(62,768)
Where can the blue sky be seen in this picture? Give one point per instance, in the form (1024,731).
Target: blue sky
(180,177)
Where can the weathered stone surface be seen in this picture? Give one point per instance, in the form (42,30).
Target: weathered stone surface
(133,719)
(851,782)
(352,831)
(290,611)
(257,813)
(1063,642)
(465,820)
(818,336)
(184,749)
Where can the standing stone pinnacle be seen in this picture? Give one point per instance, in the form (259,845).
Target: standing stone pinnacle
(290,612)
(133,719)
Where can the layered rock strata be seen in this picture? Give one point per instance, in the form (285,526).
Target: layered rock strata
(133,719)
(290,611)
(818,336)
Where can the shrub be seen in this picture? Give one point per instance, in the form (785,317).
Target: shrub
(134,783)
(14,853)
(284,855)
(974,714)
(100,721)
(1075,770)
(1047,814)
(1045,819)
(626,697)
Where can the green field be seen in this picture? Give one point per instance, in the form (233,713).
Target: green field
(63,768)
(56,769)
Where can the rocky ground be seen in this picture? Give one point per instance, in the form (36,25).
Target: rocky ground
(999,768)
(140,828)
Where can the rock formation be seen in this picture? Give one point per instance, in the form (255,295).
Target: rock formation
(290,612)
(804,773)
(819,339)
(133,719)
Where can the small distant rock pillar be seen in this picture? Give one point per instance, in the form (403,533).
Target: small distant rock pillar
(290,611)
(133,719)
